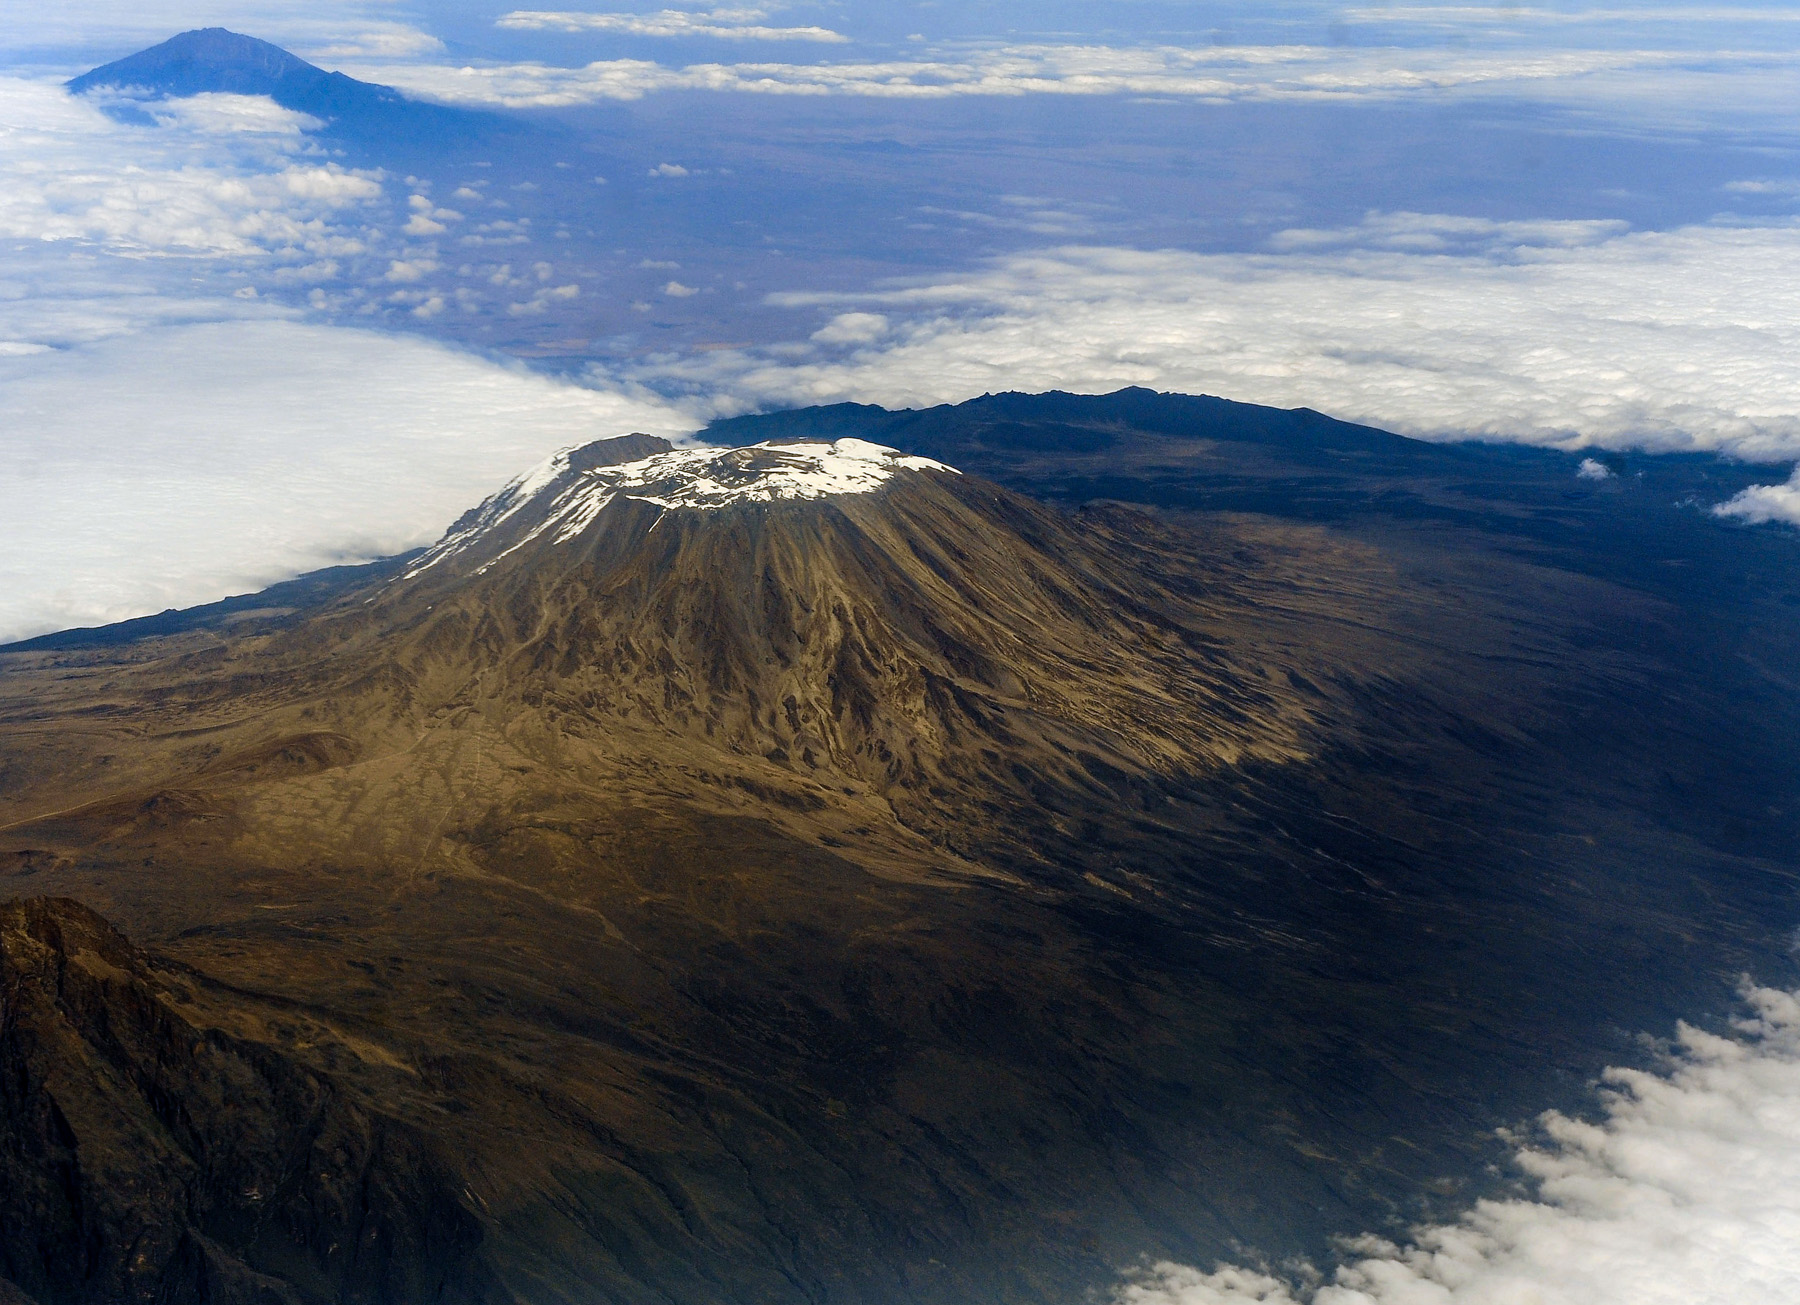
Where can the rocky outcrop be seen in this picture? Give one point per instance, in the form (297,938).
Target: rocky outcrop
(145,1156)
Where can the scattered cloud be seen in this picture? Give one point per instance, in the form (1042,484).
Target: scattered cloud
(668,170)
(224,174)
(427,219)
(544,297)
(177,465)
(676,290)
(1593,469)
(410,269)
(1764,503)
(727,24)
(1686,1192)
(852,328)
(1675,340)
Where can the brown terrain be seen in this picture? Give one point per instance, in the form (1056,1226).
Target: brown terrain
(930,894)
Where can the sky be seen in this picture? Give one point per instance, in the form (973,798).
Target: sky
(233,349)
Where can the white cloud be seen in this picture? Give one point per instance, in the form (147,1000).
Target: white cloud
(1437,233)
(1593,469)
(171,433)
(225,174)
(668,170)
(1661,81)
(1685,339)
(676,290)
(377,41)
(1463,18)
(1036,217)
(1783,186)
(852,328)
(110,28)
(1763,503)
(402,270)
(729,24)
(1686,1192)
(222,177)
(542,300)
(179,465)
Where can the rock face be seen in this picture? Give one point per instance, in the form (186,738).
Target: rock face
(148,1155)
(805,873)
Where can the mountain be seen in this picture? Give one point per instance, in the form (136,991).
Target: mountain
(809,869)
(212,60)
(142,1143)
(838,610)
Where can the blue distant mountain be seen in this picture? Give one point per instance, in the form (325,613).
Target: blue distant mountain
(214,60)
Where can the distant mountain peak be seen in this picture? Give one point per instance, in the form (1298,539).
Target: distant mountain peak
(207,53)
(215,60)
(563,495)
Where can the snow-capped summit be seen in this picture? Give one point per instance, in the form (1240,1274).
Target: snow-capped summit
(867,615)
(563,495)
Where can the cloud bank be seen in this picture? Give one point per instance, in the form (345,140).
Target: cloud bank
(173,435)
(179,465)
(1687,1192)
(109,28)
(1662,80)
(727,24)
(1566,334)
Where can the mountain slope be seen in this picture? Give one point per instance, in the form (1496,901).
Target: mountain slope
(1157,882)
(147,1150)
(839,611)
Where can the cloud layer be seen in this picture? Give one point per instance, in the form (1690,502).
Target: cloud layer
(221,175)
(720,24)
(1659,79)
(181,464)
(109,28)
(1566,334)
(171,434)
(1686,1192)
